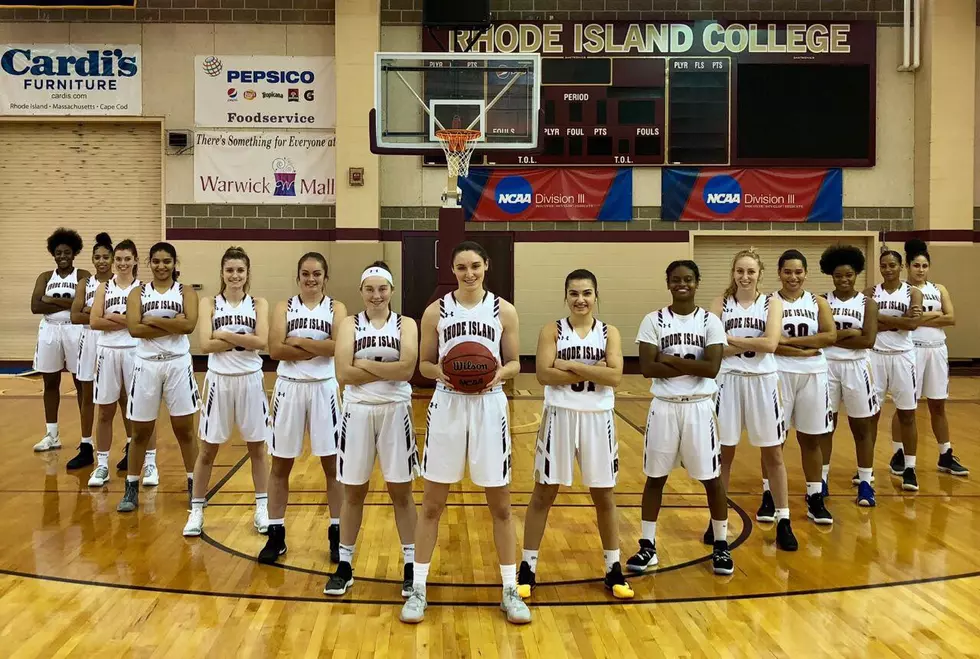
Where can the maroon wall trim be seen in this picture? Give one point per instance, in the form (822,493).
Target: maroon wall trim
(934,235)
(330,235)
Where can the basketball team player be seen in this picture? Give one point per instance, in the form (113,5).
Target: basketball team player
(893,360)
(748,389)
(807,329)
(376,355)
(115,360)
(302,339)
(849,366)
(233,327)
(88,344)
(580,363)
(57,338)
(931,355)
(681,349)
(161,313)
(468,429)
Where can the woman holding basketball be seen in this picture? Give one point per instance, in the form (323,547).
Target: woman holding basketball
(893,360)
(302,338)
(161,314)
(468,428)
(57,339)
(88,344)
(748,389)
(233,327)
(931,355)
(848,364)
(580,363)
(376,354)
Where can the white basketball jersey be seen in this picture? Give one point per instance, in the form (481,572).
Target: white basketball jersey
(582,396)
(61,287)
(747,323)
(115,302)
(316,324)
(91,286)
(382,345)
(686,337)
(895,305)
(800,319)
(932,300)
(237,320)
(848,314)
(163,305)
(481,324)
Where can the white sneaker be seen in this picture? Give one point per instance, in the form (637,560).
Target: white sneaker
(261,519)
(99,477)
(49,443)
(195,523)
(515,608)
(150,475)
(414,609)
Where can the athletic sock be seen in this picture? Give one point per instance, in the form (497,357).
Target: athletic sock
(782,513)
(825,472)
(103,458)
(720,528)
(897,446)
(649,530)
(909,461)
(765,484)
(190,475)
(334,521)
(508,575)
(419,575)
(52,429)
(864,475)
(280,522)
(946,446)
(530,556)
(151,458)
(261,499)
(132,479)
(198,504)
(87,440)
(611,557)
(814,488)
(129,440)
(408,554)
(346,553)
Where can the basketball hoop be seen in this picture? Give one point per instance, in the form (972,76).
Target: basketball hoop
(458,145)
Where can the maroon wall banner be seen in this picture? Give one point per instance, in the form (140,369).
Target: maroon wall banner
(550,195)
(752,195)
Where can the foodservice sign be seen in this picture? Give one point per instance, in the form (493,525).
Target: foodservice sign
(71,79)
(265,92)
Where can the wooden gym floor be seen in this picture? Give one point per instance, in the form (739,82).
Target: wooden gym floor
(79,580)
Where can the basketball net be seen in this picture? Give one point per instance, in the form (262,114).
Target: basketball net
(458,144)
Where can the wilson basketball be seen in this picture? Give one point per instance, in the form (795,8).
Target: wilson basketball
(469,367)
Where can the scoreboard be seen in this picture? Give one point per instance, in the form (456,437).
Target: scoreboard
(691,93)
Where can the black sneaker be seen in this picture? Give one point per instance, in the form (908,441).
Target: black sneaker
(86,457)
(897,463)
(408,578)
(616,582)
(817,511)
(644,559)
(709,536)
(948,464)
(721,559)
(131,498)
(909,481)
(333,535)
(767,511)
(824,489)
(525,580)
(340,580)
(123,464)
(785,539)
(275,546)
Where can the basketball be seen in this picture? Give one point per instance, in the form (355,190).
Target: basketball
(469,367)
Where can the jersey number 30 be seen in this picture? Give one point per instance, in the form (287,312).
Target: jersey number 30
(794,331)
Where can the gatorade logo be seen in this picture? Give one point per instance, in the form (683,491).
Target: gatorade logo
(722,194)
(513,194)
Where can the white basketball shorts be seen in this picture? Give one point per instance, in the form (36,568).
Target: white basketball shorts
(686,431)
(851,382)
(88,349)
(299,405)
(234,400)
(806,402)
(384,431)
(751,402)
(568,436)
(170,380)
(114,368)
(932,372)
(57,347)
(466,429)
(894,373)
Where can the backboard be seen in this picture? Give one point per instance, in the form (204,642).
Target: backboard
(417,94)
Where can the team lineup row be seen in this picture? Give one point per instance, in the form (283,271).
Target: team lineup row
(762,362)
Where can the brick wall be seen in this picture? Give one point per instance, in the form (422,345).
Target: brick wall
(309,12)
(247,216)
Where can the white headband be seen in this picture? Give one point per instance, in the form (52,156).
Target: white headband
(375,271)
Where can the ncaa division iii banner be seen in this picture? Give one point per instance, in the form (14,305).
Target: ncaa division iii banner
(752,195)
